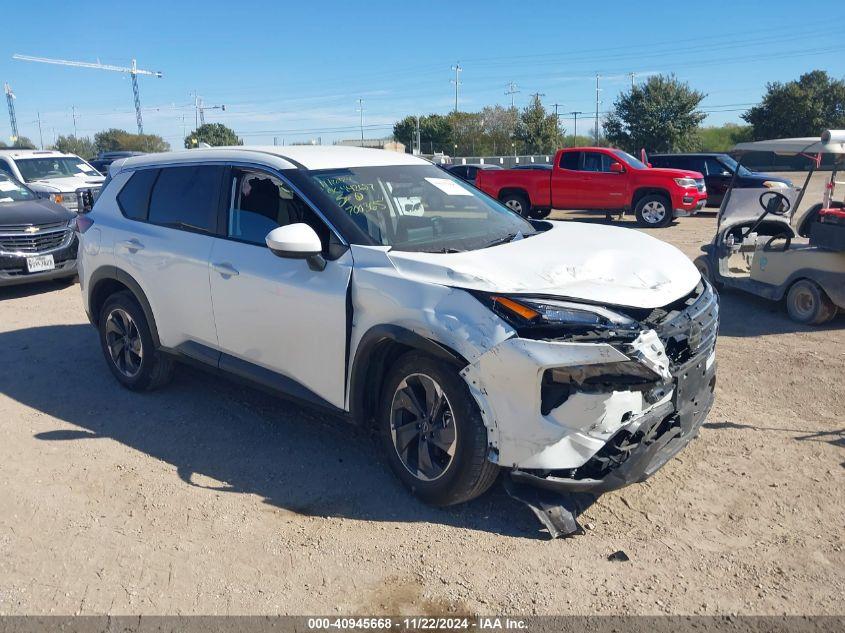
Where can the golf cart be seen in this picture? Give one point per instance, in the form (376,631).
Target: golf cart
(764,247)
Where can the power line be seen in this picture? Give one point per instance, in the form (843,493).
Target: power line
(360,109)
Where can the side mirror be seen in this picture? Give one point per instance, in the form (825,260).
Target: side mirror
(617,168)
(297,241)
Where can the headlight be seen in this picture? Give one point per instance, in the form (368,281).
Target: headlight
(56,197)
(774,184)
(538,312)
(685,182)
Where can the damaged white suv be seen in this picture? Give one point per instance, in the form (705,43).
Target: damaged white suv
(576,357)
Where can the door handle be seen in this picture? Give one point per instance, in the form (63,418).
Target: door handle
(133,245)
(225,269)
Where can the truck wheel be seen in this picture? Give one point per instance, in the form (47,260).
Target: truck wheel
(432,431)
(807,303)
(517,203)
(653,211)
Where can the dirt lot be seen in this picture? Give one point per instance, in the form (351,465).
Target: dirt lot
(208,497)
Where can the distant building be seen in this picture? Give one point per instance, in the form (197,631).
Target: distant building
(376,143)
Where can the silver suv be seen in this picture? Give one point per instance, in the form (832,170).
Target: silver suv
(574,357)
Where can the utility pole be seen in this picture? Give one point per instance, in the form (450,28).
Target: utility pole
(418,145)
(511,91)
(360,109)
(537,95)
(575,114)
(40,135)
(10,102)
(632,76)
(73,114)
(457,81)
(598,101)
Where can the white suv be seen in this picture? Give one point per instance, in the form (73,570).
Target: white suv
(578,358)
(62,178)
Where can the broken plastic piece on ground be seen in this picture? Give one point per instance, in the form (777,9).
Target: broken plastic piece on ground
(557,512)
(619,556)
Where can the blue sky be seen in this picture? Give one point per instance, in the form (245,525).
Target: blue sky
(294,70)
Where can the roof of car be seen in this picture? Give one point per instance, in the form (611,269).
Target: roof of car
(792,146)
(662,155)
(285,157)
(15,152)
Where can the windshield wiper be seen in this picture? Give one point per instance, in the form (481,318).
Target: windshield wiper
(510,237)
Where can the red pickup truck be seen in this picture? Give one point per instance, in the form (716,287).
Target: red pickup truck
(598,178)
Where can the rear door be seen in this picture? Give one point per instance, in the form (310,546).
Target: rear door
(279,322)
(165,248)
(601,188)
(566,182)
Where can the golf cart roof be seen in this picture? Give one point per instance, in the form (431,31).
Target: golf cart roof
(831,142)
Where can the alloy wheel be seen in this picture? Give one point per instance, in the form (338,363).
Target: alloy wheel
(123,340)
(804,303)
(514,205)
(654,212)
(422,427)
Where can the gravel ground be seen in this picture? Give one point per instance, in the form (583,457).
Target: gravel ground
(209,497)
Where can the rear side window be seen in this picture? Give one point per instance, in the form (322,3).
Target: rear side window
(569,160)
(134,198)
(187,197)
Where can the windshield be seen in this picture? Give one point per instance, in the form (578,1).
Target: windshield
(53,167)
(732,164)
(13,191)
(419,208)
(633,162)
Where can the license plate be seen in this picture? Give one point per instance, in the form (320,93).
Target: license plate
(40,263)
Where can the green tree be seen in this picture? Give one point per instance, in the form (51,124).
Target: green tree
(498,125)
(22,142)
(723,138)
(660,115)
(537,131)
(215,134)
(799,108)
(83,147)
(435,133)
(113,140)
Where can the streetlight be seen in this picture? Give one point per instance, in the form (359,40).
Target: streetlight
(456,150)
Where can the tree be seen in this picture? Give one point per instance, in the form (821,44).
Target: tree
(498,125)
(799,108)
(215,134)
(71,144)
(723,138)
(661,116)
(22,142)
(113,140)
(435,133)
(537,130)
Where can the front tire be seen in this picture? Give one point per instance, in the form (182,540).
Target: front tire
(518,203)
(653,211)
(432,431)
(807,303)
(128,345)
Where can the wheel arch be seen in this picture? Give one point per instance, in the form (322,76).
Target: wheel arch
(108,280)
(380,346)
(517,190)
(642,192)
(831,283)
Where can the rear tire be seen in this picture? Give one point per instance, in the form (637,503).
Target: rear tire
(128,345)
(518,203)
(807,303)
(425,408)
(540,214)
(653,211)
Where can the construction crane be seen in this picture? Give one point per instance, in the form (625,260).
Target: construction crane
(10,101)
(133,71)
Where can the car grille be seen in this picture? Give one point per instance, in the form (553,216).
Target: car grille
(22,239)
(688,328)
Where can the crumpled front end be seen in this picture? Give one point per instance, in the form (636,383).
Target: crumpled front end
(590,417)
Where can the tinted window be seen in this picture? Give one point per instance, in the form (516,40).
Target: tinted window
(4,167)
(186,197)
(569,160)
(594,161)
(134,198)
(715,168)
(259,203)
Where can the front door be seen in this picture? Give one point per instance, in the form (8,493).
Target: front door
(278,320)
(601,188)
(566,182)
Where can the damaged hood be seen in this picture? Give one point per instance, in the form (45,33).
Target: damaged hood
(600,264)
